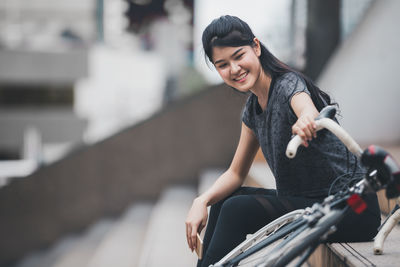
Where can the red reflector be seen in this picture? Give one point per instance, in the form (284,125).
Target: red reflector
(357,203)
(371,149)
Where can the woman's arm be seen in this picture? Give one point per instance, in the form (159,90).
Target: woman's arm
(234,177)
(306,112)
(225,185)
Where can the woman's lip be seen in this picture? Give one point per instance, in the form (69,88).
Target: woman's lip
(243,75)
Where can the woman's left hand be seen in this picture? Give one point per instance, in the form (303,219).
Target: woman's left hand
(305,127)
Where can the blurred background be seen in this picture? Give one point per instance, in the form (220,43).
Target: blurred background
(105,104)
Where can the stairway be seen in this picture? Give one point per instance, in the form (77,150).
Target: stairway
(147,234)
(165,243)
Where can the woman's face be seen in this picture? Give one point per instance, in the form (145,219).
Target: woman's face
(239,67)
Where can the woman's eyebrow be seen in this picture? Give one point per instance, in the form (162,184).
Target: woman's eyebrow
(234,54)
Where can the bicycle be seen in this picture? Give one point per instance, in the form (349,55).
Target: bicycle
(387,226)
(298,233)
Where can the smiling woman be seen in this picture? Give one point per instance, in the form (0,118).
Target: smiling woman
(281,102)
(237,67)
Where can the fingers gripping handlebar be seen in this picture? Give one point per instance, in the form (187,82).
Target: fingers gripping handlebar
(324,120)
(326,112)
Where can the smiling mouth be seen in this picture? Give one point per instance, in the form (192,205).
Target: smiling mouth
(241,77)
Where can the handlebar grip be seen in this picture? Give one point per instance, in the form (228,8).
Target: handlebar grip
(293,145)
(333,127)
(327,112)
(296,141)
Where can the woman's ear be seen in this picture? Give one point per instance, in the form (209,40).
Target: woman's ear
(257,47)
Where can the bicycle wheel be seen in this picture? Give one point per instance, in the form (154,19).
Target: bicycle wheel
(254,239)
(307,238)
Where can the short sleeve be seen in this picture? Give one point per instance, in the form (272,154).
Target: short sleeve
(290,85)
(247,113)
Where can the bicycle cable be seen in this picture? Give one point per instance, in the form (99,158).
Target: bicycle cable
(343,182)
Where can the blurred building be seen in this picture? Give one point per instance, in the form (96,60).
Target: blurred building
(43,52)
(80,71)
(280,25)
(144,63)
(362,76)
(74,72)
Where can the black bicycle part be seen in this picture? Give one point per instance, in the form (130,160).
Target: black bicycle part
(388,171)
(327,112)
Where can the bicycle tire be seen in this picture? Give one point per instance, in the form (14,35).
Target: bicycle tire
(260,235)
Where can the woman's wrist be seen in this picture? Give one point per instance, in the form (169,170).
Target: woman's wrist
(202,200)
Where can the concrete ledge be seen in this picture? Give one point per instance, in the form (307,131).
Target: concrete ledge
(358,254)
(325,256)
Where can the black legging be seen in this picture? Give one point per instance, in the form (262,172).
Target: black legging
(248,209)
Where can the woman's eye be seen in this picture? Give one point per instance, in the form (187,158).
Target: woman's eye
(239,56)
(222,66)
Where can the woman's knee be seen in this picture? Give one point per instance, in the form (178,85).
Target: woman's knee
(240,208)
(232,204)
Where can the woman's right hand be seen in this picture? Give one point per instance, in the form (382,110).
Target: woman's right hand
(305,127)
(195,221)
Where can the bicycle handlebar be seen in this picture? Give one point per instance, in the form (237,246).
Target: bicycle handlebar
(332,126)
(373,157)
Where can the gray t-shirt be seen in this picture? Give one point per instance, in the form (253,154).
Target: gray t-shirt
(312,171)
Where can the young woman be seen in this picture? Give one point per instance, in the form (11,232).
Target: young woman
(281,102)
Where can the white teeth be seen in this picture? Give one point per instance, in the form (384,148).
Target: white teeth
(241,77)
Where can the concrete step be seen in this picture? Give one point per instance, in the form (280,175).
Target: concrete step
(165,243)
(123,243)
(109,242)
(73,250)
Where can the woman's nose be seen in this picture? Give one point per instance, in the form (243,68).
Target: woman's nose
(235,68)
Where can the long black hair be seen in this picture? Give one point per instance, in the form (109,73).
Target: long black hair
(232,31)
